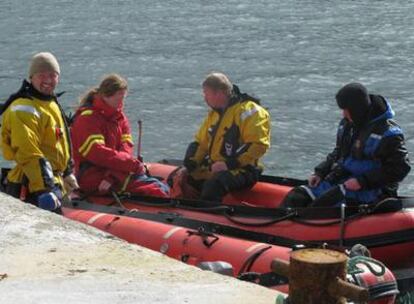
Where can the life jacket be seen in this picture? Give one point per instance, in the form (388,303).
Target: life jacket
(231,147)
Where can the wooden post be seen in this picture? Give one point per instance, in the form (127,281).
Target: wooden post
(318,276)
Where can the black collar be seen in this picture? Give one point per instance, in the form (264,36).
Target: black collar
(36,94)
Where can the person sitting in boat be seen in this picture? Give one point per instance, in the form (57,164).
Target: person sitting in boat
(369,159)
(35,135)
(103,147)
(225,155)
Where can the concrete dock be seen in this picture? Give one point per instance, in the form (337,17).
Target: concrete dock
(46,258)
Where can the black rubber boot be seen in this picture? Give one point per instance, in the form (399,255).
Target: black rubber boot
(296,198)
(330,198)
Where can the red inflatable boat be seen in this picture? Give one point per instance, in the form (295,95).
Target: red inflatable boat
(246,260)
(388,235)
(243,259)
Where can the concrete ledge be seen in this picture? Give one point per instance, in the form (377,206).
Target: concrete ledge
(46,258)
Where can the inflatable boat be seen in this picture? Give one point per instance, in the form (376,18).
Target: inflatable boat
(243,259)
(387,228)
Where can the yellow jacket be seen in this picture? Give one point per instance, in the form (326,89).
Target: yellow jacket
(239,136)
(33,133)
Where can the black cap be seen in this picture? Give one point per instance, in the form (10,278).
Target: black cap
(354,97)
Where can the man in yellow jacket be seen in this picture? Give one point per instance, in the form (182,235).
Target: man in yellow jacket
(35,136)
(225,155)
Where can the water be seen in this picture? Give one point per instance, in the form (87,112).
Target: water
(294,55)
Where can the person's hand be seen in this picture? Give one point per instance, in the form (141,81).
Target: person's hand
(105,185)
(180,188)
(139,168)
(218,166)
(314,180)
(70,183)
(178,178)
(352,184)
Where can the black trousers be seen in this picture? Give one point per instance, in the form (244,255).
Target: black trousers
(299,198)
(224,182)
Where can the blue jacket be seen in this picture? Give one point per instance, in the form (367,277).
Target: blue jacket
(375,154)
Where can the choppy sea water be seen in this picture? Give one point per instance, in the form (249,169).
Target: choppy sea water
(294,55)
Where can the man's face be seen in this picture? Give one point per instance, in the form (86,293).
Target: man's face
(215,99)
(45,82)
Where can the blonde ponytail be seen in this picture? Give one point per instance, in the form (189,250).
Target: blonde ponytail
(88,96)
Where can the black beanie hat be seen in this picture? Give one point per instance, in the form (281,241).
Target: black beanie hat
(355,98)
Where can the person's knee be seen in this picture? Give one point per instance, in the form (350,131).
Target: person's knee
(13,189)
(214,189)
(296,198)
(224,182)
(331,197)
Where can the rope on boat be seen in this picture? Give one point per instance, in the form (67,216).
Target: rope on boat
(247,265)
(227,211)
(230,212)
(119,202)
(362,211)
(262,224)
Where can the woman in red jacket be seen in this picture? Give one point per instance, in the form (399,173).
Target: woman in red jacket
(102,144)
